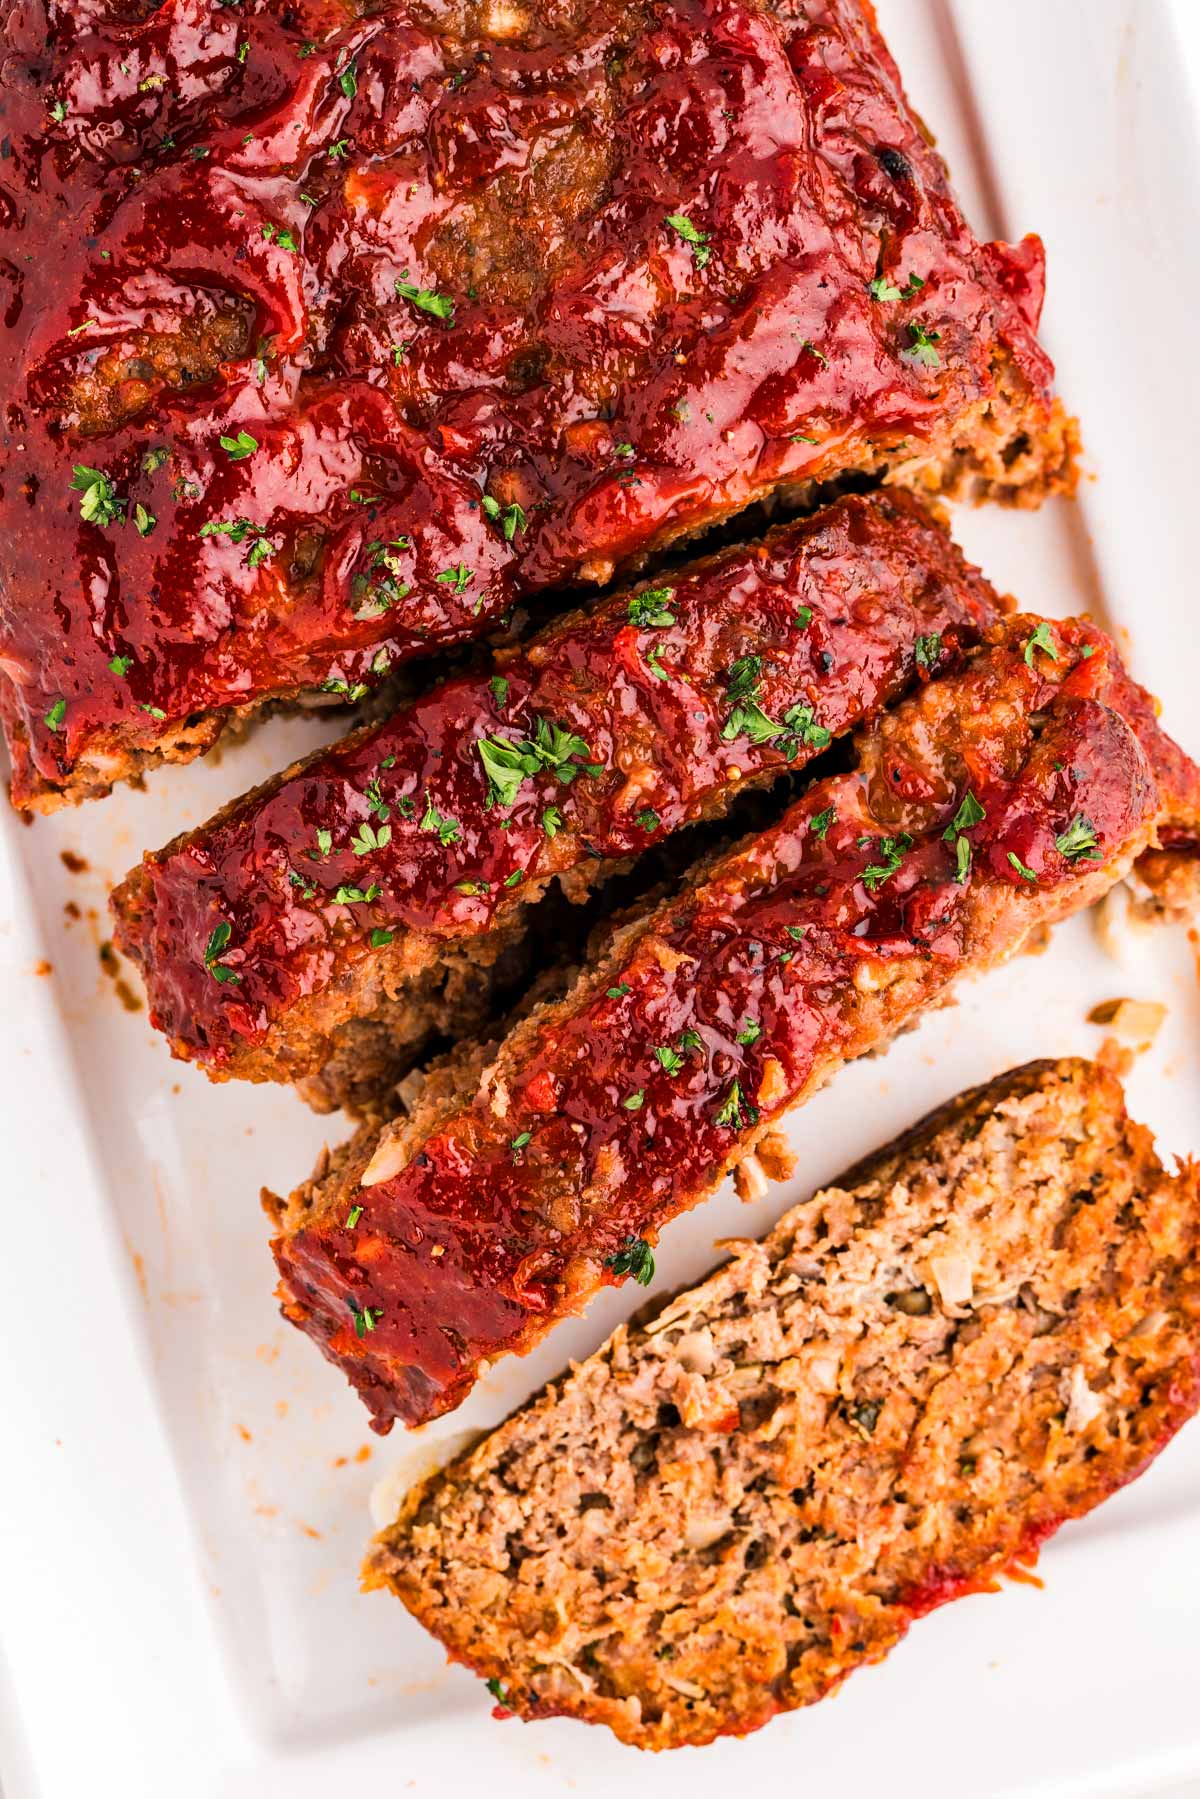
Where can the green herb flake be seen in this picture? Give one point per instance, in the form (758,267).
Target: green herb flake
(1078,842)
(822,821)
(348,80)
(920,346)
(238,448)
(699,240)
(749,1033)
(426,300)
(634,1257)
(448,829)
(635,1101)
(735,1113)
(121,665)
(54,718)
(551,821)
(929,650)
(368,839)
(498,1694)
(499,687)
(1041,640)
(510,519)
(1026,874)
(648,610)
(366,1320)
(620,991)
(216,946)
(380,938)
(144,522)
(520,1140)
(647,819)
(356,896)
(668,1059)
(892,851)
(508,762)
(353,1216)
(100,503)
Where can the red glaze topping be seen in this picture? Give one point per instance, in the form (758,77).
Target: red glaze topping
(657,705)
(288,291)
(993,800)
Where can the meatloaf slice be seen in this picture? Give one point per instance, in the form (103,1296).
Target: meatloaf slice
(986,806)
(899,1393)
(334,330)
(364,900)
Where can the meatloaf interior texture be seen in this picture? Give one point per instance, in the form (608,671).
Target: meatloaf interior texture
(348,326)
(899,1393)
(381,892)
(531,1172)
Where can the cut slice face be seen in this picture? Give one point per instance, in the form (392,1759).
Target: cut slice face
(983,808)
(895,1396)
(324,927)
(342,334)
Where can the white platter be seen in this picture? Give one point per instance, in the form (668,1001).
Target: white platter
(183,1507)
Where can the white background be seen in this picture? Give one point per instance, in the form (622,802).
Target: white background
(169,1624)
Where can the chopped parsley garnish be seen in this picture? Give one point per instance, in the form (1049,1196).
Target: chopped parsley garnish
(121,665)
(237,530)
(153,460)
(373,794)
(426,300)
(654,663)
(920,347)
(648,610)
(369,839)
(515,878)
(472,889)
(356,896)
(551,821)
(324,841)
(635,1101)
(216,946)
(520,1140)
(803,616)
(647,819)
(58,111)
(277,234)
(734,1112)
(144,521)
(348,80)
(683,227)
(366,1320)
(969,813)
(238,448)
(53,719)
(154,711)
(802,729)
(883,289)
(377,593)
(509,761)
(749,1033)
(499,687)
(497,1691)
(1078,842)
(620,991)
(1041,640)
(668,1059)
(306,888)
(101,504)
(380,938)
(448,829)
(929,650)
(822,821)
(892,851)
(634,1257)
(459,577)
(511,519)
(353,1216)
(1026,874)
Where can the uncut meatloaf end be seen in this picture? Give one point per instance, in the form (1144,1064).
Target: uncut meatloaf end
(901,1392)
(668,703)
(983,808)
(330,328)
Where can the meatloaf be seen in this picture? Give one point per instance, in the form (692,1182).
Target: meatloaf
(330,331)
(531,1173)
(363,900)
(901,1392)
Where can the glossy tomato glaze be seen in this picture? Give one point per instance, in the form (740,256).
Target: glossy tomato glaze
(807,946)
(843,612)
(402,267)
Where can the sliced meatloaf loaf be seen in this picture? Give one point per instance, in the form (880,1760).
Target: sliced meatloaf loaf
(323,927)
(332,330)
(530,1173)
(909,1384)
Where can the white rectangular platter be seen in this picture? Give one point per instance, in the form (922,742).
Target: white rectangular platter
(185,1482)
